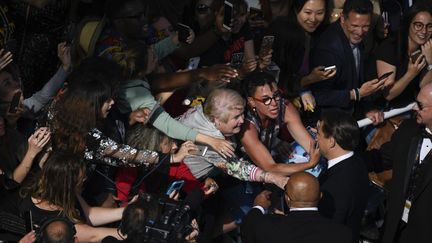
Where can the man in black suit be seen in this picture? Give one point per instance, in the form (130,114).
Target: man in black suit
(409,212)
(341,45)
(345,182)
(303,224)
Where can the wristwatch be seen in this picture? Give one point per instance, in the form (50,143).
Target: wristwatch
(429,67)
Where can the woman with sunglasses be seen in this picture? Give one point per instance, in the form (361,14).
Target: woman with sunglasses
(267,116)
(408,55)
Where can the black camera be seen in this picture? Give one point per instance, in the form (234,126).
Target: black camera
(160,219)
(172,223)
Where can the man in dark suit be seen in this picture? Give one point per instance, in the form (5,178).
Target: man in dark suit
(345,182)
(341,45)
(409,204)
(303,224)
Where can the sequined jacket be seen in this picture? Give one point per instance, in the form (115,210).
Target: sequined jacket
(102,149)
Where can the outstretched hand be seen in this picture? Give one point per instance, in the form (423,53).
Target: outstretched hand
(219,72)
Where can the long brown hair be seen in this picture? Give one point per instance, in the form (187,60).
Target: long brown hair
(79,110)
(58,182)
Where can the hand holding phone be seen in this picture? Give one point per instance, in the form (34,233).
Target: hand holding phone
(175,186)
(183,32)
(415,55)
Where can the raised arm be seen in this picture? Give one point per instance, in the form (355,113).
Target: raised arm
(296,127)
(97,216)
(169,82)
(395,87)
(42,97)
(36,143)
(105,150)
(262,157)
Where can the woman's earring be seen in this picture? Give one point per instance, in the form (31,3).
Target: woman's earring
(254,109)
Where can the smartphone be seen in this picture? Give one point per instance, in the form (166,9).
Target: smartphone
(257,12)
(13,107)
(193,63)
(183,32)
(329,68)
(202,150)
(175,186)
(237,59)
(266,44)
(415,55)
(385,75)
(228,15)
(28,221)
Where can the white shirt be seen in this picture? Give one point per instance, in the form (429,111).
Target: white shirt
(426,147)
(336,160)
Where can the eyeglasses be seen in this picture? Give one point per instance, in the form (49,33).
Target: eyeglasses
(267,100)
(202,8)
(418,26)
(421,106)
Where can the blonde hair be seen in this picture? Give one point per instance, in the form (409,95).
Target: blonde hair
(221,102)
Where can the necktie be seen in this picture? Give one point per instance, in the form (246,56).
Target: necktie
(356,53)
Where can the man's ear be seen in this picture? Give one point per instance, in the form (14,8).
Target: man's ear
(342,18)
(332,142)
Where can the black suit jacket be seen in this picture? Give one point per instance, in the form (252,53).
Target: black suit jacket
(333,48)
(345,187)
(297,227)
(401,150)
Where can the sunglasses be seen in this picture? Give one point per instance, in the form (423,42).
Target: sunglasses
(267,100)
(202,9)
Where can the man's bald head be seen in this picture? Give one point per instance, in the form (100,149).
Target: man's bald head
(58,231)
(302,190)
(427,90)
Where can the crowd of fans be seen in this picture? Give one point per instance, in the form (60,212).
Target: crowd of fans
(215,121)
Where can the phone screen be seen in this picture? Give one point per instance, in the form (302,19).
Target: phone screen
(193,63)
(329,68)
(13,108)
(202,150)
(228,11)
(267,44)
(28,221)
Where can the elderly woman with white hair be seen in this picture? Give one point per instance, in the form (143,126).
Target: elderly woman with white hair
(222,116)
